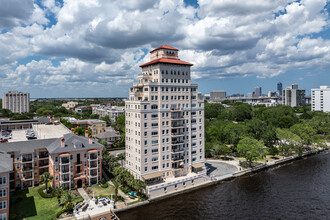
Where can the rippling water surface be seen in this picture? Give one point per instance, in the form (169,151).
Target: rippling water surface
(298,190)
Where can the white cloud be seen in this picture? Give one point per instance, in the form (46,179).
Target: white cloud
(100,42)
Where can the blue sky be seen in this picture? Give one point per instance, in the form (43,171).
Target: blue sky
(94,48)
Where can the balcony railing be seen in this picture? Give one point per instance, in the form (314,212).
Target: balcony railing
(177,142)
(93,165)
(65,170)
(26,159)
(177,158)
(27,168)
(65,179)
(65,161)
(43,155)
(177,150)
(43,164)
(93,174)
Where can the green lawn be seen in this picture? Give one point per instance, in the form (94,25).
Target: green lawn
(30,205)
(98,190)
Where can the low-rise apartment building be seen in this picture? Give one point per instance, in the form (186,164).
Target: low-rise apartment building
(110,136)
(97,126)
(70,105)
(112,111)
(6,167)
(73,161)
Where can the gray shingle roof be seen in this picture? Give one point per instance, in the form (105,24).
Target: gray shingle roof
(52,145)
(6,164)
(70,141)
(107,134)
(26,146)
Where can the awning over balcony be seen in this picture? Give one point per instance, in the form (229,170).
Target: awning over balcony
(62,155)
(198,165)
(152,175)
(91,151)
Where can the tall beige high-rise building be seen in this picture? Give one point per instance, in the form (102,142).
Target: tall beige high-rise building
(164,120)
(17,102)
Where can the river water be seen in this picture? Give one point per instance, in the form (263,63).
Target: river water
(297,190)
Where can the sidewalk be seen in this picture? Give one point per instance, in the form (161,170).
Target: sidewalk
(83,193)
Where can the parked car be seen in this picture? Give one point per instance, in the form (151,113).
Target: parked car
(2,140)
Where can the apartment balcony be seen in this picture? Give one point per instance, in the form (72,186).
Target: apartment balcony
(65,179)
(66,170)
(177,142)
(65,161)
(177,151)
(43,155)
(176,109)
(92,157)
(93,165)
(43,164)
(177,159)
(177,125)
(177,134)
(27,168)
(27,177)
(27,159)
(93,174)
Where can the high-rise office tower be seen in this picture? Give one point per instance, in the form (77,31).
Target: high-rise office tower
(17,102)
(164,120)
(279,88)
(257,91)
(293,96)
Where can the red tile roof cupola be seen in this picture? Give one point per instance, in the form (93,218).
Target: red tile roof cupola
(165,54)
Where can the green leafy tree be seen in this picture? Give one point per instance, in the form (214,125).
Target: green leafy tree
(305,132)
(251,149)
(45,178)
(241,112)
(288,141)
(120,123)
(221,149)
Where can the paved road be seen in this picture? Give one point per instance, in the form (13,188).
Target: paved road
(113,153)
(220,168)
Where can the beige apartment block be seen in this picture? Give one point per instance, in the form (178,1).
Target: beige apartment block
(17,102)
(164,120)
(70,105)
(97,126)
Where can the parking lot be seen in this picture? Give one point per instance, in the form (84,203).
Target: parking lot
(41,131)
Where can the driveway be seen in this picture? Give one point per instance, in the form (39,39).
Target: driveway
(218,168)
(113,153)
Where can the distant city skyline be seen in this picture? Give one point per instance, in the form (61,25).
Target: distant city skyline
(94,48)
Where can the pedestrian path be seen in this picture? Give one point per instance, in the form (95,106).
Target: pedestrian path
(83,194)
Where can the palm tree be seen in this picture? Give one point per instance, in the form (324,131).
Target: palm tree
(58,193)
(116,185)
(45,178)
(67,200)
(139,185)
(121,157)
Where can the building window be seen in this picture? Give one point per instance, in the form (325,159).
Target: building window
(3,180)
(56,177)
(3,192)
(85,155)
(3,205)
(71,157)
(56,159)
